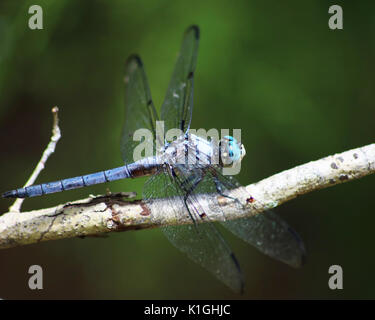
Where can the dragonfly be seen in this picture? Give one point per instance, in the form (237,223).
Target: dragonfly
(180,182)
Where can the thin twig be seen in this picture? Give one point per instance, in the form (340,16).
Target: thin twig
(98,215)
(56,135)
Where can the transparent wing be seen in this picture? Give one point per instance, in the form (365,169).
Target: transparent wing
(271,235)
(177,108)
(139,108)
(201,242)
(266,231)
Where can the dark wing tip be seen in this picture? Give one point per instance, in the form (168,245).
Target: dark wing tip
(241,288)
(302,255)
(190,75)
(303,259)
(134,58)
(298,261)
(195,29)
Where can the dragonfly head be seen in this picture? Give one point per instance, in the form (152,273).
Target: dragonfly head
(231,151)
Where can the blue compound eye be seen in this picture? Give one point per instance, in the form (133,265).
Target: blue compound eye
(232,149)
(235,152)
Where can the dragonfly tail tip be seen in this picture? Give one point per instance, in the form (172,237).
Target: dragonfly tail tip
(9,194)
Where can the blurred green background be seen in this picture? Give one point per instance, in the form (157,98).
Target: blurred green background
(298,90)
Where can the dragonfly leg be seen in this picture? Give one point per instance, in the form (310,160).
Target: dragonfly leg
(187,195)
(188,185)
(219,189)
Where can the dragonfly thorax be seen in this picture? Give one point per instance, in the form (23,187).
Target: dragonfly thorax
(194,150)
(188,150)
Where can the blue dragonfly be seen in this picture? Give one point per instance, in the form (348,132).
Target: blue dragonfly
(175,177)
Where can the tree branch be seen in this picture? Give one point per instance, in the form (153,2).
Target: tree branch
(56,135)
(114,212)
